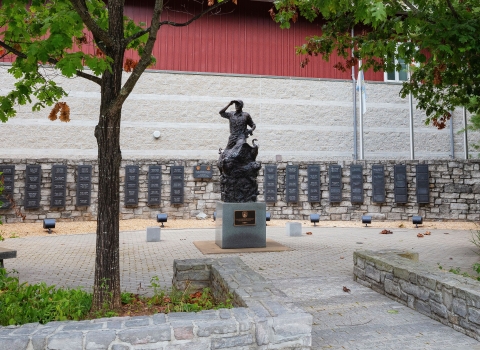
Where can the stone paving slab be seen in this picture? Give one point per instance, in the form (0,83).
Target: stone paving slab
(312,275)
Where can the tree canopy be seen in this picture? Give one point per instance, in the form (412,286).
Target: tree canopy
(55,34)
(439,40)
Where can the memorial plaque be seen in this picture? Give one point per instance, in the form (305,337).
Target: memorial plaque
(244,218)
(59,186)
(7,178)
(270,187)
(84,185)
(356,183)
(400,184)
(335,184)
(291,183)
(154,184)
(131,185)
(202,172)
(313,175)
(176,184)
(33,181)
(378,183)
(423,185)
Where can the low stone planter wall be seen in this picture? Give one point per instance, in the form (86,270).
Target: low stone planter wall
(267,321)
(448,298)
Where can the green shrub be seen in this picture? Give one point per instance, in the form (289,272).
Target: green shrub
(23,303)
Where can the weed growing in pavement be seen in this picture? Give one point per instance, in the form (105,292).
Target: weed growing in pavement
(23,303)
(457,271)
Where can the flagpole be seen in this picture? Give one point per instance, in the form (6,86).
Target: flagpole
(465,136)
(360,84)
(355,154)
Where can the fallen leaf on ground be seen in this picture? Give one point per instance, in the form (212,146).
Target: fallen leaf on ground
(419,235)
(427,233)
(385,232)
(346,290)
(445,233)
(392,311)
(341,257)
(309,233)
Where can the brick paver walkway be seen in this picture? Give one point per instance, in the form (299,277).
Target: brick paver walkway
(312,275)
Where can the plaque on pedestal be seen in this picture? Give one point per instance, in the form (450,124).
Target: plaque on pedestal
(378,183)
(423,186)
(356,183)
(59,186)
(33,181)
(313,174)
(241,225)
(335,185)
(84,185)
(7,178)
(270,186)
(154,184)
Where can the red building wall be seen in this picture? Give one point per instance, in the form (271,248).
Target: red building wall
(242,39)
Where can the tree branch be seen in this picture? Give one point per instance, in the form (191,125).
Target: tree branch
(51,61)
(99,34)
(131,38)
(450,6)
(194,18)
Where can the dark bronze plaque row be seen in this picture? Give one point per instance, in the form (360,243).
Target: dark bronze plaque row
(154,184)
(32,186)
(378,183)
(131,185)
(270,187)
(291,181)
(423,186)
(7,178)
(335,184)
(84,185)
(400,183)
(313,175)
(176,183)
(59,186)
(356,183)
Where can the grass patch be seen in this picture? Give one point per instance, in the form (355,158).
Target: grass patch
(24,303)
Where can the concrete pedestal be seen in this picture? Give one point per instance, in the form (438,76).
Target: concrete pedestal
(241,225)
(153,234)
(294,229)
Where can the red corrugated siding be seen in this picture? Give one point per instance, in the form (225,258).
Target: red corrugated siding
(241,40)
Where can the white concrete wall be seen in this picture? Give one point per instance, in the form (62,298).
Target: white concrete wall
(299,119)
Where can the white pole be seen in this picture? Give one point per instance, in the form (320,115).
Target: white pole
(361,82)
(355,155)
(465,136)
(412,144)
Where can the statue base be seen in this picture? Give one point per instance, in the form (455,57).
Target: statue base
(241,225)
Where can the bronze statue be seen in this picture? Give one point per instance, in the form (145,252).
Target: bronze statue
(237,164)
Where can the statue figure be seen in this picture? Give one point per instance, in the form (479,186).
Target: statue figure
(237,164)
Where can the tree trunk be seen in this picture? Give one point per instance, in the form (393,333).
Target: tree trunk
(106,290)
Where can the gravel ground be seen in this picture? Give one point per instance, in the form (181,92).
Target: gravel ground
(14,230)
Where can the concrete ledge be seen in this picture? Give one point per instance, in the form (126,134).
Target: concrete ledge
(450,299)
(263,319)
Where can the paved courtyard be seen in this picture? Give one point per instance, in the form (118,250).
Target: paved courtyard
(312,275)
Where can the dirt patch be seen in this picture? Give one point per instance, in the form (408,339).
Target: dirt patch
(13,230)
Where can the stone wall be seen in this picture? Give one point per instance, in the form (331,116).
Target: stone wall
(454,192)
(299,119)
(268,322)
(448,298)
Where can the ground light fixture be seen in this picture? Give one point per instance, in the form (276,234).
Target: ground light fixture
(268,216)
(162,218)
(417,220)
(366,219)
(314,218)
(214,215)
(48,224)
